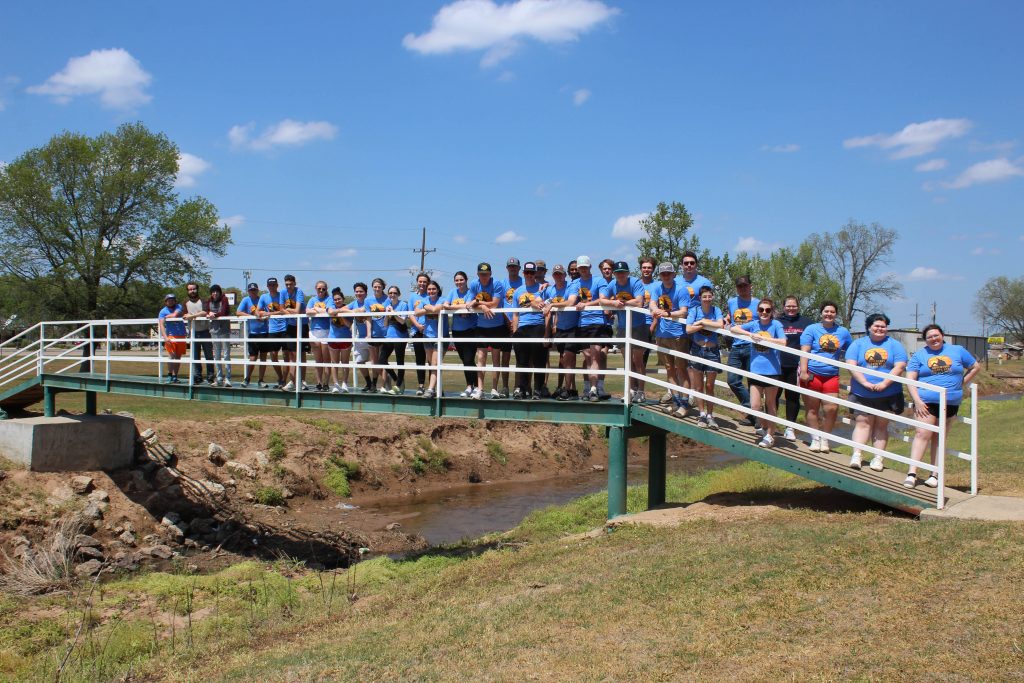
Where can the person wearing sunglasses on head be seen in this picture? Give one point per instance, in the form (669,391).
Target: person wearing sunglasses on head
(320,331)
(764,332)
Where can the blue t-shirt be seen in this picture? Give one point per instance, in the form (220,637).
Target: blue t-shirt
(396,325)
(460,321)
(339,330)
(378,323)
(827,343)
(250,306)
(648,295)
(692,288)
(588,290)
(174,327)
(430,320)
(631,290)
(764,360)
(695,314)
(743,311)
(510,286)
(359,323)
(415,301)
(272,303)
(494,290)
(289,301)
(670,299)
(319,305)
(943,368)
(566,318)
(882,357)
(523,297)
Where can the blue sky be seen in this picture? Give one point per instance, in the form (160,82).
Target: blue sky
(329,133)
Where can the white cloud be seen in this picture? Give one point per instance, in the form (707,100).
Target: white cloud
(506,77)
(628,227)
(915,139)
(1004,147)
(508,237)
(114,75)
(190,166)
(344,253)
(580,96)
(6,83)
(498,29)
(922,273)
(752,245)
(990,171)
(233,222)
(931,165)
(283,133)
(983,251)
(460,239)
(781,149)
(544,189)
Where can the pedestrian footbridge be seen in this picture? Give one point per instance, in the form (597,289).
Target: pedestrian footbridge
(92,357)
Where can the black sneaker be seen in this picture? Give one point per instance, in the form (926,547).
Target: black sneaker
(544,393)
(367,389)
(537,396)
(517,395)
(573,395)
(197,380)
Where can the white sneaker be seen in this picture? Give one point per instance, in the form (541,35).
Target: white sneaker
(855,461)
(815,444)
(467,393)
(640,397)
(384,390)
(711,422)
(477,395)
(305,387)
(288,387)
(877,464)
(227,384)
(495,394)
(766,441)
(789,434)
(931,482)
(824,446)
(336,389)
(344,388)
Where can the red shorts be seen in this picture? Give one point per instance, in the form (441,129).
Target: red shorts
(823,385)
(340,346)
(175,348)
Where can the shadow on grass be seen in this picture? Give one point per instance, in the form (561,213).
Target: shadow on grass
(817,499)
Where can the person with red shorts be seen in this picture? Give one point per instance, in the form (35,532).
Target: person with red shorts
(172,330)
(826,340)
(339,341)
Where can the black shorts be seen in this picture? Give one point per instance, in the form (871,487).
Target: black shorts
(378,344)
(640,332)
(275,341)
(290,334)
(589,332)
(951,411)
(606,332)
(498,332)
(256,342)
(761,383)
(563,347)
(891,404)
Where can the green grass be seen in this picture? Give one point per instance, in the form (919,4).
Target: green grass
(339,474)
(276,449)
(269,495)
(497,452)
(428,457)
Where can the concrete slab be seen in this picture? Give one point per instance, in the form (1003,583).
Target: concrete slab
(988,508)
(69,443)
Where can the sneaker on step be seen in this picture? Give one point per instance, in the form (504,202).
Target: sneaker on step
(419,390)
(641,397)
(305,387)
(477,395)
(931,482)
(429,393)
(593,396)
(910,482)
(712,423)
(517,395)
(245,384)
(877,464)
(824,446)
(344,388)
(290,386)
(227,384)
(815,443)
(789,434)
(467,392)
(503,393)
(766,441)
(495,394)
(336,389)
(702,421)
(855,461)
(262,385)
(760,432)
(666,398)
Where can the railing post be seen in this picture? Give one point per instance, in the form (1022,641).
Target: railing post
(617,443)
(92,347)
(106,368)
(974,438)
(49,402)
(440,361)
(193,352)
(298,361)
(627,361)
(940,460)
(42,345)
(159,357)
(656,444)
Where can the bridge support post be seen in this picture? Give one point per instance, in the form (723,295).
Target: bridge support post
(90,403)
(49,402)
(656,470)
(617,446)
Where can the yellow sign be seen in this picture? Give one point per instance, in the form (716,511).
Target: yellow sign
(997,340)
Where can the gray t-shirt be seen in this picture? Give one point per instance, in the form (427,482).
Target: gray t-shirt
(193,307)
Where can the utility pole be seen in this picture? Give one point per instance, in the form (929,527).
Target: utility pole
(423,251)
(916,325)
(933,312)
(247,277)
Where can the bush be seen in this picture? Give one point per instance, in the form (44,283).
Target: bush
(337,481)
(275,446)
(429,457)
(351,468)
(497,452)
(269,495)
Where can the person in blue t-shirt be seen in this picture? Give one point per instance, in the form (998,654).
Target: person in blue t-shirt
(583,294)
(172,330)
(418,323)
(255,332)
(741,312)
(624,291)
(397,336)
(764,333)
(271,305)
(431,308)
(319,331)
(670,305)
(486,296)
(529,325)
(512,282)
(948,366)
(561,321)
(377,303)
(294,303)
(826,340)
(464,327)
(360,335)
(340,343)
(701,323)
(876,351)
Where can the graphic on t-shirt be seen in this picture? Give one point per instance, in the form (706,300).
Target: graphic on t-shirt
(763,334)
(584,294)
(377,308)
(525,299)
(828,343)
(665,302)
(689,290)
(939,365)
(273,306)
(876,357)
(458,301)
(647,298)
(336,322)
(556,299)
(319,306)
(289,303)
(742,315)
(510,294)
(624,296)
(483,296)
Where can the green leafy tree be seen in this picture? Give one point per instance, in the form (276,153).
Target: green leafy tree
(786,272)
(667,234)
(1000,304)
(94,225)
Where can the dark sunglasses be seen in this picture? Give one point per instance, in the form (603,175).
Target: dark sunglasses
(764,310)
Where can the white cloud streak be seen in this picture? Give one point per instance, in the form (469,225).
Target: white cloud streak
(500,29)
(924,273)
(285,133)
(931,165)
(916,139)
(233,222)
(628,227)
(189,167)
(991,171)
(508,237)
(781,149)
(580,96)
(752,245)
(114,75)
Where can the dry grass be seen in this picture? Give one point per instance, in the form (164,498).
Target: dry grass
(48,567)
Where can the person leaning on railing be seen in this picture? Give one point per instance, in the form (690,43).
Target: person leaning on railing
(220,331)
(172,331)
(319,330)
(950,366)
(431,309)
(397,339)
(764,360)
(793,324)
(878,351)
(464,327)
(701,322)
(828,340)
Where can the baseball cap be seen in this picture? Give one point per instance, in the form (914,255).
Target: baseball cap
(559,268)
(530,267)
(666,267)
(170,295)
(252,286)
(541,264)
(620,267)
(583,261)
(512,262)
(743,280)
(483,267)
(271,280)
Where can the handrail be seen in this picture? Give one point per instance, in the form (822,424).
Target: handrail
(20,334)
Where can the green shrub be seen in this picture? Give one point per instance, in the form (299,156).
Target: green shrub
(336,480)
(269,495)
(275,446)
(497,452)
(429,457)
(351,468)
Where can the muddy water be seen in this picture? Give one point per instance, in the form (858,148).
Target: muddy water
(475,509)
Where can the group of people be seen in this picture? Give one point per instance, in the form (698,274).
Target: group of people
(574,312)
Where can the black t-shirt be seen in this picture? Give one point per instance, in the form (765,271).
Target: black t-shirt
(793,326)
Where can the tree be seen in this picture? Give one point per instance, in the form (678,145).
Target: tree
(666,235)
(1000,302)
(785,272)
(93,223)
(849,256)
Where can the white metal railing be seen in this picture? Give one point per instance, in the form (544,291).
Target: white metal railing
(55,345)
